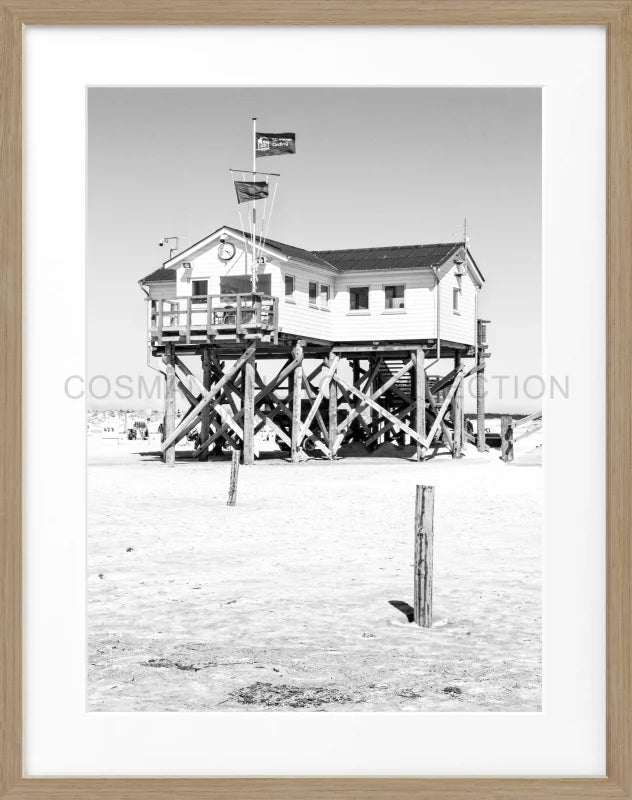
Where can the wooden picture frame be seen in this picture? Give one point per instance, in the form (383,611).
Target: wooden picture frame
(616,17)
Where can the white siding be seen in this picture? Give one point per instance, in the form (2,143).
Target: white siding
(416,322)
(461,326)
(298,317)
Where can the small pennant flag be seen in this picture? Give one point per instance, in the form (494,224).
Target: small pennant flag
(250,190)
(275,144)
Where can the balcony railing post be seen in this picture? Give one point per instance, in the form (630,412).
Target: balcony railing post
(238,315)
(209,314)
(275,319)
(188,320)
(160,317)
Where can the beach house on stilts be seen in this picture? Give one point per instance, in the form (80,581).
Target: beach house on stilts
(355,331)
(387,311)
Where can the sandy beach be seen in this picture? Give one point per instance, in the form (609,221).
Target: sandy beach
(282,602)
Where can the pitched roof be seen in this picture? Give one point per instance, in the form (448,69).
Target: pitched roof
(289,250)
(160,275)
(363,259)
(384,258)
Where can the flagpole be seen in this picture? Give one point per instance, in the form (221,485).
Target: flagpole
(254,212)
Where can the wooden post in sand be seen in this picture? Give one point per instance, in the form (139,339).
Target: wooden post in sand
(234,475)
(506,438)
(424,535)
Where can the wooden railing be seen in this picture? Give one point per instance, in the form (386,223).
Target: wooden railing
(215,316)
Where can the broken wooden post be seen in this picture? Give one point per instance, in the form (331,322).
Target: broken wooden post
(506,438)
(170,402)
(297,398)
(207,377)
(424,534)
(234,475)
(249,410)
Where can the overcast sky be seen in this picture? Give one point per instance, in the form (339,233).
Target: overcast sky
(373,167)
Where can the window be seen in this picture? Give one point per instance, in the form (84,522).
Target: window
(324,296)
(313,292)
(242,284)
(199,290)
(359,298)
(289,288)
(456,294)
(394,297)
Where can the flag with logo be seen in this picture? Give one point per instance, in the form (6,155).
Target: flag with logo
(275,144)
(250,190)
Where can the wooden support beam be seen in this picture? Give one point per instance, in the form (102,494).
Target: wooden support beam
(401,415)
(457,412)
(359,407)
(447,436)
(183,429)
(480,405)
(322,392)
(297,394)
(249,410)
(215,407)
(287,370)
(380,409)
(424,541)
(420,399)
(442,411)
(333,409)
(207,378)
(169,447)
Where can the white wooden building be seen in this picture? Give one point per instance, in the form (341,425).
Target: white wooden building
(417,293)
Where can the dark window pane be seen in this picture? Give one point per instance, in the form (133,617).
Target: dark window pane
(289,286)
(199,288)
(359,298)
(313,291)
(394,296)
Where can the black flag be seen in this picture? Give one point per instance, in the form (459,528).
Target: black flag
(275,144)
(250,190)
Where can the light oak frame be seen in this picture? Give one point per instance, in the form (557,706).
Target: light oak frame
(616,16)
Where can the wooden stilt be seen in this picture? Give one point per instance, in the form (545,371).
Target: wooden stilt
(424,535)
(207,377)
(297,395)
(457,413)
(333,410)
(249,411)
(170,402)
(420,400)
(480,386)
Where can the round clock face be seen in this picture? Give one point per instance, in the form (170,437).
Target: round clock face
(226,251)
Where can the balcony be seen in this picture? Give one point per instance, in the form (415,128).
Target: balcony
(211,318)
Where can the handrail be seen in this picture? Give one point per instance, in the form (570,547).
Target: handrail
(239,310)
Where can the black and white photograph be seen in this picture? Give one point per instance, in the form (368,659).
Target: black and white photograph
(314,399)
